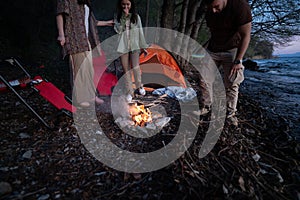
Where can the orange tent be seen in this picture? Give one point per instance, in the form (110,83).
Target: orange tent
(160,69)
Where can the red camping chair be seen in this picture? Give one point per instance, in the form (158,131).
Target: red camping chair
(104,81)
(46,89)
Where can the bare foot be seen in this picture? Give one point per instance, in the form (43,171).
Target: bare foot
(98,100)
(84,104)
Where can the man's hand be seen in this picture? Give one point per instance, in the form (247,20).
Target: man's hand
(110,22)
(106,23)
(61,39)
(235,69)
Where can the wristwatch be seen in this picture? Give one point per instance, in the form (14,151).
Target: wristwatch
(236,62)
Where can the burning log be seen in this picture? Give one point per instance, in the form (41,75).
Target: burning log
(139,114)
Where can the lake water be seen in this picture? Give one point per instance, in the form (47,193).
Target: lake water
(276,85)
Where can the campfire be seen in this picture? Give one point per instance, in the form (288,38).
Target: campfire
(139,114)
(141,120)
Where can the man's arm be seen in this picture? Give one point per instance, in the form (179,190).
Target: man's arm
(60,27)
(245,32)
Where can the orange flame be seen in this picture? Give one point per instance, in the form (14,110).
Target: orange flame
(140,115)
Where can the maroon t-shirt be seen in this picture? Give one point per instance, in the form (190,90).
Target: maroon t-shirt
(223,26)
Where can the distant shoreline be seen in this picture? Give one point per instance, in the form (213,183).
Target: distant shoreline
(297,54)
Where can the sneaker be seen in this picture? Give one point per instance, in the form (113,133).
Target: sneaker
(202,111)
(232,120)
(142,91)
(128,98)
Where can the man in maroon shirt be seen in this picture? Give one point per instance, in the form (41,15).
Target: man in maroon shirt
(229,22)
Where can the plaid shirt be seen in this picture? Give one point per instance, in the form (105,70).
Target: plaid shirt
(74,27)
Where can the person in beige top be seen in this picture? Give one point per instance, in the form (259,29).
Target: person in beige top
(131,43)
(78,36)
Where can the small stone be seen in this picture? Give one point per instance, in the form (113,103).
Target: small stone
(162,122)
(99,132)
(27,154)
(5,169)
(5,188)
(44,197)
(24,135)
(256,157)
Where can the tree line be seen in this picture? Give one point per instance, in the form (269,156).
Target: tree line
(274,22)
(29,29)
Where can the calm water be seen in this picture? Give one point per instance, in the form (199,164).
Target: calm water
(277,86)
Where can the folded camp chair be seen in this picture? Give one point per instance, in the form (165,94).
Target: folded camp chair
(45,88)
(103,80)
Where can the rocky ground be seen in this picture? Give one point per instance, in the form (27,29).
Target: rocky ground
(259,159)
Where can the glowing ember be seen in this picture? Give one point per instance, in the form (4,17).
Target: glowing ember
(139,114)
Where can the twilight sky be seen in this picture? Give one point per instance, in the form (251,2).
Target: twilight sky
(292,48)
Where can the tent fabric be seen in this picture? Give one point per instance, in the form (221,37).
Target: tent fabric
(158,64)
(164,65)
(182,94)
